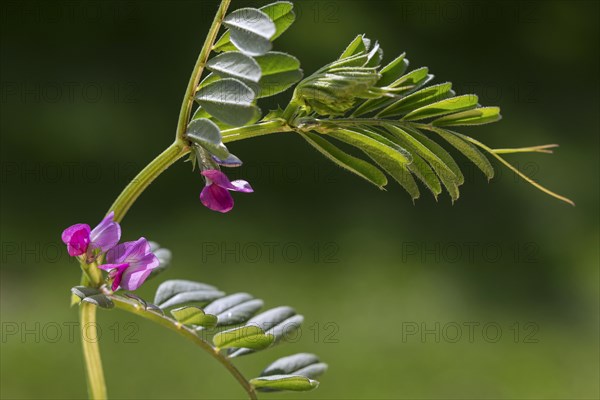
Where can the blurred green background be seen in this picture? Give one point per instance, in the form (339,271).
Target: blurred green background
(90,94)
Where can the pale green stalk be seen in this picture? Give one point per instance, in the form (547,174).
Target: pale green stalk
(91,352)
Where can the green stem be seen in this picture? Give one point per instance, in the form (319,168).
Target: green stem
(146,177)
(188,98)
(187,333)
(91,351)
(251,131)
(290,112)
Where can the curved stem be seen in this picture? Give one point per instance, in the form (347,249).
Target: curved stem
(187,333)
(146,177)
(188,98)
(91,352)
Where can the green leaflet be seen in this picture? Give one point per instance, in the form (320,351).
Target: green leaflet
(210,78)
(447,175)
(279,322)
(466,148)
(375,57)
(279,72)
(438,150)
(304,364)
(229,100)
(177,292)
(426,174)
(282,15)
(234,309)
(372,142)
(360,45)
(418,99)
(234,64)
(398,171)
(250,30)
(393,71)
(355,165)
(296,383)
(478,116)
(194,316)
(201,113)
(443,107)
(207,134)
(419,167)
(250,337)
(413,79)
(389,156)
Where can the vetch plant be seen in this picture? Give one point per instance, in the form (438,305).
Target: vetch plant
(397,122)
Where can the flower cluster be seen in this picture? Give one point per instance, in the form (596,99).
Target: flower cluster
(128,264)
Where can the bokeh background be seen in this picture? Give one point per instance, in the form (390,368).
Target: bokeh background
(494,297)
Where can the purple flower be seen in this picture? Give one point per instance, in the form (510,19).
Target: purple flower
(130,264)
(81,240)
(216,194)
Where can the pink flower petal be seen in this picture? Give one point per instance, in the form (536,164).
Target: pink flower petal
(134,262)
(216,198)
(116,273)
(242,186)
(134,278)
(218,178)
(107,234)
(117,254)
(128,252)
(77,239)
